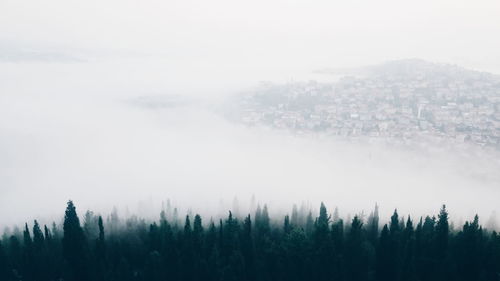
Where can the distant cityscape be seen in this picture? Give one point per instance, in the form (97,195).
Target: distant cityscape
(401,102)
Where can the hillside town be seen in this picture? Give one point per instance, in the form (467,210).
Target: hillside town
(402,102)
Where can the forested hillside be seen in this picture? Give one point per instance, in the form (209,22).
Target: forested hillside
(303,246)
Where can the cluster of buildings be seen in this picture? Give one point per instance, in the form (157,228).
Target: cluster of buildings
(438,104)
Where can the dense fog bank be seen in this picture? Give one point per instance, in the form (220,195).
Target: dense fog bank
(103,151)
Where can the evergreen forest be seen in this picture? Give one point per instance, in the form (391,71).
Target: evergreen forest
(300,246)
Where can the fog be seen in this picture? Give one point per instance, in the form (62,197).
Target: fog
(249,37)
(72,127)
(64,137)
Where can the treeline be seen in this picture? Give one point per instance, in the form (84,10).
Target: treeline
(302,246)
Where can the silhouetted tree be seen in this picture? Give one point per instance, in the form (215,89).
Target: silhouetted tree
(373,225)
(357,252)
(74,245)
(4,265)
(139,249)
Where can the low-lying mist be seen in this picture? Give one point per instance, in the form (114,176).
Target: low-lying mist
(102,149)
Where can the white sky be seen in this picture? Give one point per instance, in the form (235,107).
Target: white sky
(66,133)
(263,33)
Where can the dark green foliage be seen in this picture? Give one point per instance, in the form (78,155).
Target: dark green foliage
(74,245)
(323,245)
(100,259)
(358,252)
(4,264)
(300,247)
(373,225)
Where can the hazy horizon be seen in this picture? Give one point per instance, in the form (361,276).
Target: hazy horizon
(71,126)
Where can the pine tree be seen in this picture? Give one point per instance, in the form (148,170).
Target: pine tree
(442,234)
(395,245)
(323,245)
(323,221)
(48,235)
(295,216)
(394,227)
(200,263)
(38,239)
(441,244)
(100,252)
(28,242)
(492,257)
(212,253)
(15,254)
(231,254)
(425,258)
(287,228)
(170,251)
(4,264)
(357,254)
(248,249)
(408,252)
(309,224)
(429,251)
(28,264)
(39,262)
(336,215)
(385,270)
(469,251)
(264,224)
(187,254)
(372,226)
(74,245)
(197,234)
(90,225)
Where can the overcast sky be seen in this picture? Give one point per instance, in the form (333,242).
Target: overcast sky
(68,70)
(261,34)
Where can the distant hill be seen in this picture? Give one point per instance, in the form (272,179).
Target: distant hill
(411,69)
